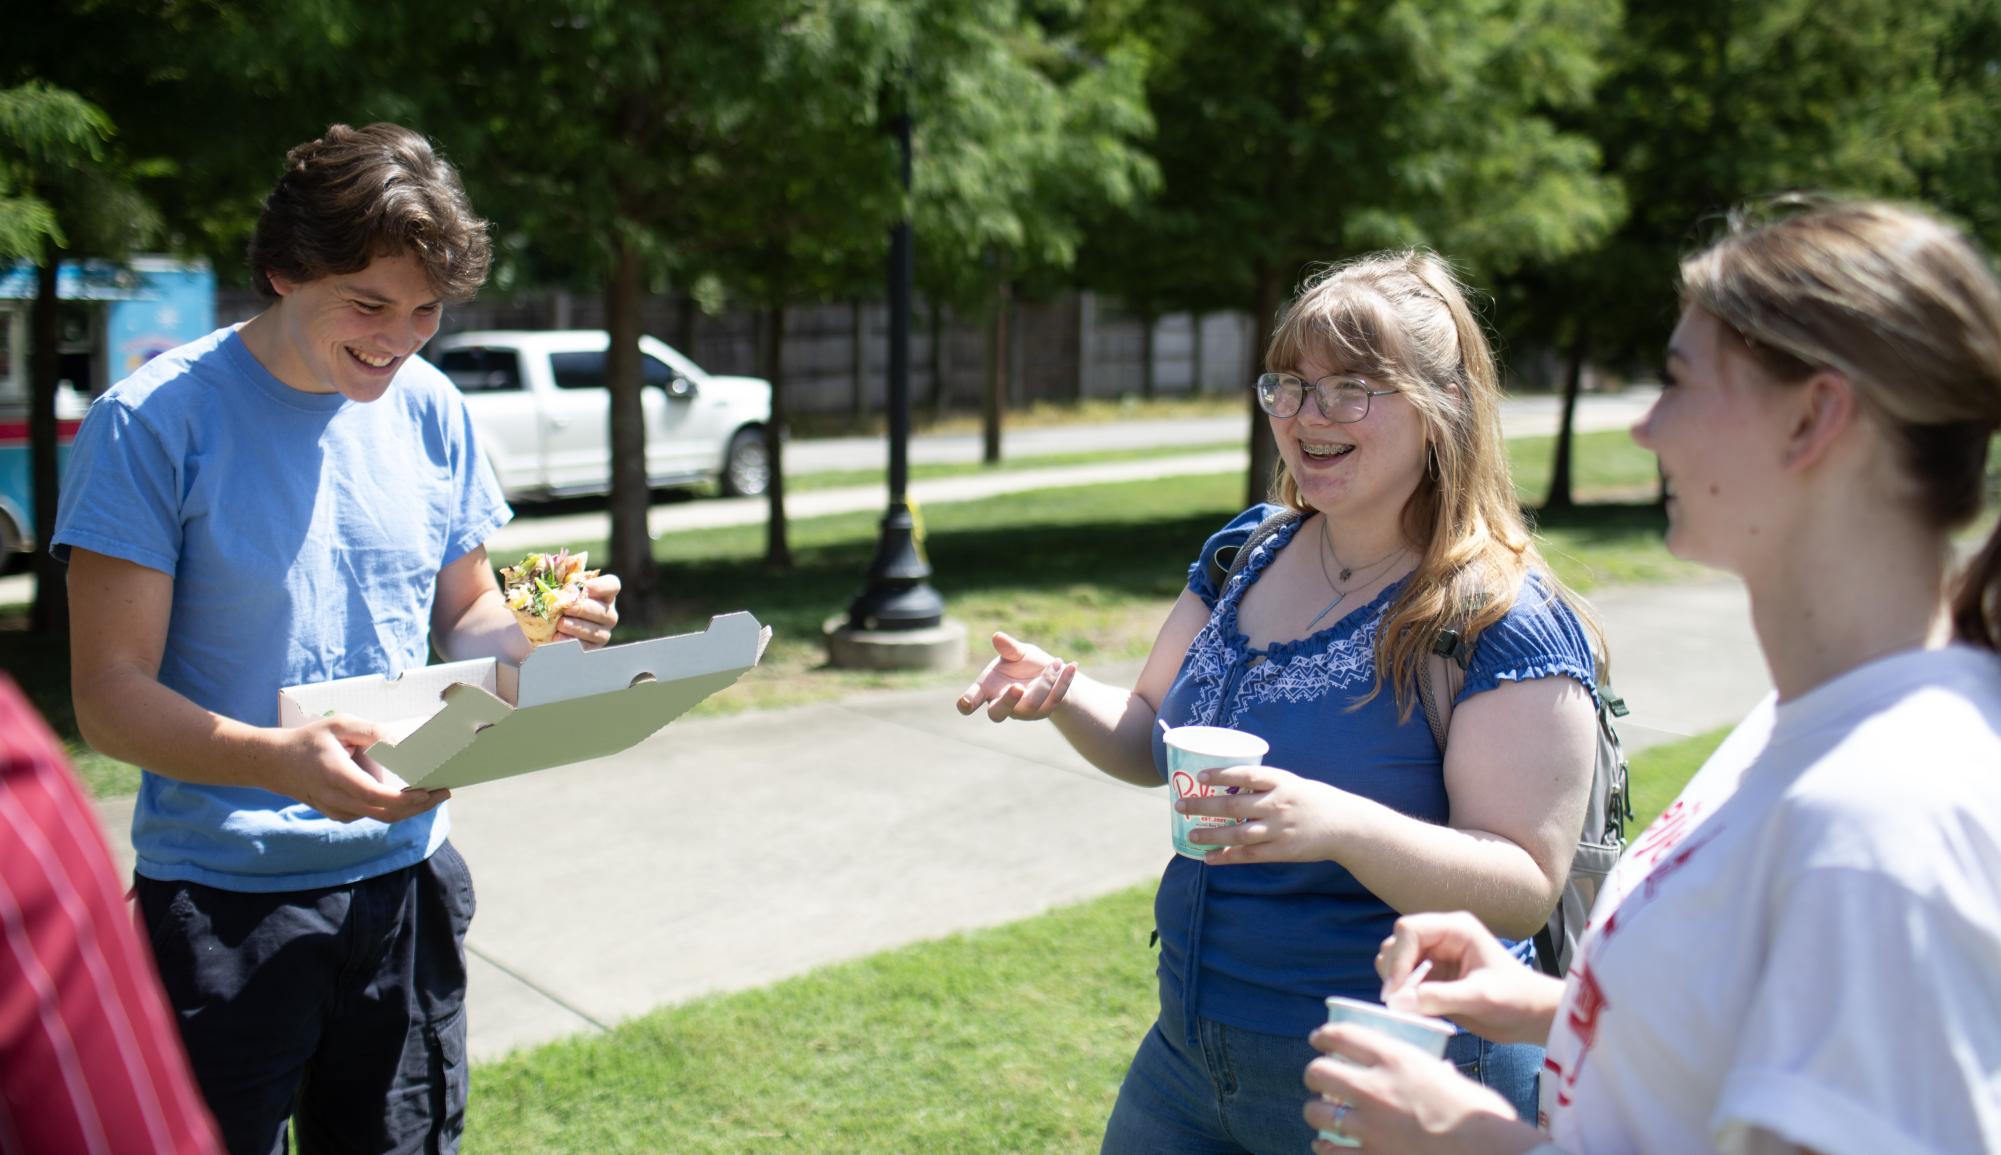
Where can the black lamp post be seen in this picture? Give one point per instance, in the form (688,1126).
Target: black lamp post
(898,596)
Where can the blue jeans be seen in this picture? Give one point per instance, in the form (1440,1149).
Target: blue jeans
(1239,1091)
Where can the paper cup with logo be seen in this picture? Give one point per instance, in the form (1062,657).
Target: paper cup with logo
(1421,1031)
(1191,749)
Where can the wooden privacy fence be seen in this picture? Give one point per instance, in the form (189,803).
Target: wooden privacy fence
(836,355)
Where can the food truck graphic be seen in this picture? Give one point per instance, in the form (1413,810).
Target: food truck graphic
(112,318)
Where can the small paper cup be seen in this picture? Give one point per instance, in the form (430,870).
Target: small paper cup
(1421,1031)
(1194,748)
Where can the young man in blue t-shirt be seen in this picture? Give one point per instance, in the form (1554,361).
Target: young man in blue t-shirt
(290,500)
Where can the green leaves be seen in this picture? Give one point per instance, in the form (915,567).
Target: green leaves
(50,127)
(1707,103)
(1030,128)
(1293,132)
(60,180)
(47,138)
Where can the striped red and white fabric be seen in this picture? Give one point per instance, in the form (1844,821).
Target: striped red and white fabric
(90,1060)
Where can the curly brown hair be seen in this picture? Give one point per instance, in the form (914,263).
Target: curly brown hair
(356,194)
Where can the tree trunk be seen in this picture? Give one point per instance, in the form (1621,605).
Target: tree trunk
(1195,354)
(1264,451)
(1560,495)
(777,551)
(937,319)
(858,351)
(684,324)
(997,369)
(50,616)
(1148,323)
(631,543)
(1087,319)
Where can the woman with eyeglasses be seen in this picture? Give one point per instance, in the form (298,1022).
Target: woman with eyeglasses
(1382,395)
(1803,953)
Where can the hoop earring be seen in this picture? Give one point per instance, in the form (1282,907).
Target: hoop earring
(1431,461)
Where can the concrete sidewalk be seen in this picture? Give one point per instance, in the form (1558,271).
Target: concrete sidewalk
(728,853)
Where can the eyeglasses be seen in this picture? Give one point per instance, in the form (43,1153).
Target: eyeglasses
(1341,397)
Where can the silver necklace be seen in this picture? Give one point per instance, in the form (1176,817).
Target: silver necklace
(1347,572)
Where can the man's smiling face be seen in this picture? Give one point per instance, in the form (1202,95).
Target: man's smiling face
(349,333)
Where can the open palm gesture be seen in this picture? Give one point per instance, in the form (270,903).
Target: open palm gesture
(1022,682)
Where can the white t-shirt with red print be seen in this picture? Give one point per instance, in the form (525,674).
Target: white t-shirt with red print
(1807,943)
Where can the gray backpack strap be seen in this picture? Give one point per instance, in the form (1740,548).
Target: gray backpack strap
(1439,679)
(1226,560)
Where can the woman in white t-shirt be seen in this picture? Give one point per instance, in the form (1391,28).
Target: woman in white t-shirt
(1803,953)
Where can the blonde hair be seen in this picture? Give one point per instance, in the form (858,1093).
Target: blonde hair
(1401,318)
(1905,307)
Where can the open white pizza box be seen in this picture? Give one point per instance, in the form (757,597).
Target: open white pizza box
(462,723)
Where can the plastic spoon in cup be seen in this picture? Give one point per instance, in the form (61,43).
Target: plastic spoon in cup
(1403,998)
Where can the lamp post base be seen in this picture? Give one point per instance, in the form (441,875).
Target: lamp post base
(939,647)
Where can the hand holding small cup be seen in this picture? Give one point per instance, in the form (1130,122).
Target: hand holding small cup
(1278,816)
(1470,979)
(1384,1087)
(1194,753)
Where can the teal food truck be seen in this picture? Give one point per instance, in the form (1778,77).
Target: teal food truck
(112,319)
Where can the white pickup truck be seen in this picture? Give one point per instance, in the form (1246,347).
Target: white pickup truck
(539,403)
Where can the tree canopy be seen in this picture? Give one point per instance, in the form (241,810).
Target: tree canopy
(1293,132)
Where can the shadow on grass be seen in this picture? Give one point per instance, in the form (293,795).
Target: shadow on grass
(1603,523)
(1135,559)
(41,666)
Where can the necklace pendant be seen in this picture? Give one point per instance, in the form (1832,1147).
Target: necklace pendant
(1346,574)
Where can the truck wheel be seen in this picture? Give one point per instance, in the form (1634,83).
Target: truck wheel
(747,464)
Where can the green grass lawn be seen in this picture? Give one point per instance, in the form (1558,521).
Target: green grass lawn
(1659,773)
(1006,1040)
(1089,573)
(1603,465)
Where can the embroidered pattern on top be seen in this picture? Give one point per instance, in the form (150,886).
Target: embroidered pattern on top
(1344,663)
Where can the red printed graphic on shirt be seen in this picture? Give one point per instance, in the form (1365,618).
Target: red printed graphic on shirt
(1659,853)
(1664,832)
(1582,1020)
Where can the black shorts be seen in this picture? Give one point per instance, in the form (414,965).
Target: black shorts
(341,1008)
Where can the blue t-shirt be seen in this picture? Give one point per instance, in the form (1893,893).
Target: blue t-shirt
(304,533)
(1273,940)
